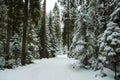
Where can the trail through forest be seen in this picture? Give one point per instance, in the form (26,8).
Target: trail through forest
(59,68)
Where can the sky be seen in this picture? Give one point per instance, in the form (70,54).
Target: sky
(50,5)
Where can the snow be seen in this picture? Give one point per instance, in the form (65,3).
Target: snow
(107,48)
(115,14)
(117,50)
(111,53)
(2,61)
(59,68)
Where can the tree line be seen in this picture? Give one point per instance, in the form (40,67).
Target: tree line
(27,32)
(92,32)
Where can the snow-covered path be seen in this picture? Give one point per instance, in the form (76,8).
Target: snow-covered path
(59,68)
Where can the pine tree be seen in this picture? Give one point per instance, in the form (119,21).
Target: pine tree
(16,31)
(8,31)
(3,27)
(3,21)
(35,11)
(87,26)
(56,25)
(10,26)
(68,20)
(109,42)
(51,43)
(13,27)
(82,36)
(15,50)
(33,42)
(92,19)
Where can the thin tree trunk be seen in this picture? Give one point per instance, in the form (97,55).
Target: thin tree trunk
(44,30)
(7,43)
(23,58)
(68,24)
(115,70)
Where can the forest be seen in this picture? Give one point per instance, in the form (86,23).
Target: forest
(87,31)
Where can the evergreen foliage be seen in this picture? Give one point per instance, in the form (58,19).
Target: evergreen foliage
(110,41)
(11,25)
(68,16)
(3,32)
(96,33)
(54,31)
(91,32)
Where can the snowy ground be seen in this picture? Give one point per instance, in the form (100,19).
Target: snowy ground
(59,68)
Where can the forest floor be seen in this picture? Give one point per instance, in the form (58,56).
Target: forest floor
(58,68)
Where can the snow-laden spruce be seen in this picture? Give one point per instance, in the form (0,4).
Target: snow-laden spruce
(110,41)
(87,29)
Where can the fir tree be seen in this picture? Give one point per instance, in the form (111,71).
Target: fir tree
(56,25)
(68,20)
(109,42)
(3,27)
(51,44)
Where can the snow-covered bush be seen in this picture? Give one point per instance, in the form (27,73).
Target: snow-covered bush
(15,52)
(30,53)
(110,43)
(2,62)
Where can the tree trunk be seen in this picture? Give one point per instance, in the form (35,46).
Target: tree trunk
(8,42)
(25,22)
(43,52)
(68,24)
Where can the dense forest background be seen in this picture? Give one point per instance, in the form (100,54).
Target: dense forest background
(90,33)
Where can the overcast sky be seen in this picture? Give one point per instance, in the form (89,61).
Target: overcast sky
(50,5)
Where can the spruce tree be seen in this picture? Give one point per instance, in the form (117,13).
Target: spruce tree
(87,26)
(109,41)
(3,30)
(56,25)
(68,20)
(51,40)
(33,41)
